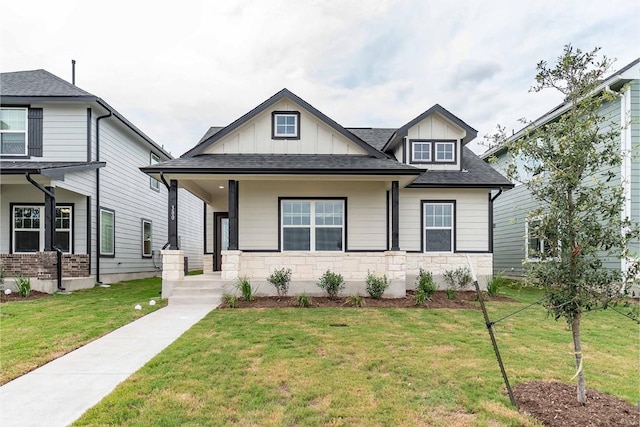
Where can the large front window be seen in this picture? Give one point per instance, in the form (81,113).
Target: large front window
(28,228)
(438,226)
(312,225)
(13,131)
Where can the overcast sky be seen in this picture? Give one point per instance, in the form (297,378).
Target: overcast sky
(176,68)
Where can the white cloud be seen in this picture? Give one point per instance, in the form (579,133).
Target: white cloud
(176,69)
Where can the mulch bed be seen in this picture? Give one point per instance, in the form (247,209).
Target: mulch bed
(15,296)
(462,300)
(554,404)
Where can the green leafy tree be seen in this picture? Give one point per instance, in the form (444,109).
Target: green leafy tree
(573,162)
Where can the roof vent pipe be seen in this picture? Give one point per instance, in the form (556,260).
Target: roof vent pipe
(73,72)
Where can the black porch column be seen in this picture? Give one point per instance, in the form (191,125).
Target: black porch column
(173,214)
(233,215)
(49,219)
(395,216)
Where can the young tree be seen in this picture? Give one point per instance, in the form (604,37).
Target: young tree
(575,162)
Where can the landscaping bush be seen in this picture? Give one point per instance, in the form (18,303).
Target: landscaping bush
(376,285)
(355,300)
(303,301)
(230,300)
(450,293)
(24,286)
(425,284)
(420,297)
(332,283)
(247,292)
(459,278)
(492,286)
(280,279)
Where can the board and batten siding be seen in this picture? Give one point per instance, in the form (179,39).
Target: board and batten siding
(471,217)
(315,137)
(258,221)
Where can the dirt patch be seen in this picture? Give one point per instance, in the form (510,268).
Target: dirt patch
(554,404)
(461,300)
(15,296)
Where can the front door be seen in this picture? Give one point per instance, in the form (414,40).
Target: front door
(220,237)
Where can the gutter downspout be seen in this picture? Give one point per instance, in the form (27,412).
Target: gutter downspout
(98,241)
(491,200)
(58,251)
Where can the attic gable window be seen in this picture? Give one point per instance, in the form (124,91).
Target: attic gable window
(285,125)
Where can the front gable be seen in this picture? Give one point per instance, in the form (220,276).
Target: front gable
(302,130)
(299,132)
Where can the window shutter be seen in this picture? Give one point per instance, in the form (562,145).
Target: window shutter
(35,132)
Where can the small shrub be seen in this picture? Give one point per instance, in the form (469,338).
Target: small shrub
(425,283)
(420,297)
(280,279)
(247,292)
(450,293)
(24,286)
(376,285)
(230,300)
(492,286)
(332,283)
(355,300)
(459,278)
(303,301)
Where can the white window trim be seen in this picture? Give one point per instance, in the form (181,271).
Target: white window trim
(453,151)
(543,242)
(312,224)
(451,228)
(413,151)
(25,131)
(113,233)
(296,125)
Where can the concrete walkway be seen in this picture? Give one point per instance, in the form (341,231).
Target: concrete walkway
(59,392)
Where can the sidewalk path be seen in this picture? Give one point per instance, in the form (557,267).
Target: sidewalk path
(59,392)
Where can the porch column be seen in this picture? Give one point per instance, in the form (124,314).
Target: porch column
(395,216)
(49,219)
(173,215)
(233,215)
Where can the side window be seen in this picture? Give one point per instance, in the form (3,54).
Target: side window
(154,183)
(438,226)
(107,232)
(147,238)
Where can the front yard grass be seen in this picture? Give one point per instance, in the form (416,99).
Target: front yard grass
(366,367)
(35,332)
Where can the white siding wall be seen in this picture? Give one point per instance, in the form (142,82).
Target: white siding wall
(472,217)
(258,211)
(315,137)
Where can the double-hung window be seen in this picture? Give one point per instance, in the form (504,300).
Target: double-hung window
(107,232)
(13,131)
(147,238)
(285,125)
(438,226)
(28,228)
(313,225)
(154,159)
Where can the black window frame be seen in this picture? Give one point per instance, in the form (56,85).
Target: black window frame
(274,116)
(433,143)
(423,226)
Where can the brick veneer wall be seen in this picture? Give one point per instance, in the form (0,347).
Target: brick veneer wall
(43,265)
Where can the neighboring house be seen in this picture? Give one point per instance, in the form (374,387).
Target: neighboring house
(286,186)
(71,183)
(513,244)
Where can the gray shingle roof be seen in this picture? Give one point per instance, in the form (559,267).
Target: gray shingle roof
(478,174)
(375,137)
(321,164)
(37,83)
(8,167)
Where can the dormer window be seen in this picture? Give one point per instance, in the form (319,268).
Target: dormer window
(433,151)
(285,125)
(445,152)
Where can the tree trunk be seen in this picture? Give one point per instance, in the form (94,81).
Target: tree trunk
(577,347)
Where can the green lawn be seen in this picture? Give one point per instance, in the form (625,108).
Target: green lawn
(35,332)
(388,367)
